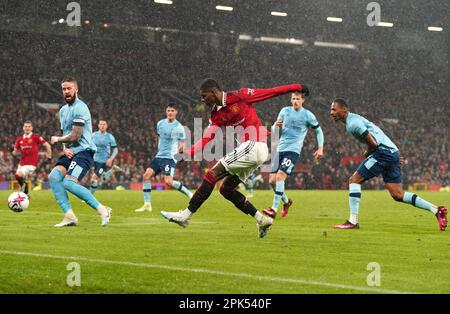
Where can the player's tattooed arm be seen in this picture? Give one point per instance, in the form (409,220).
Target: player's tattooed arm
(371,144)
(73,136)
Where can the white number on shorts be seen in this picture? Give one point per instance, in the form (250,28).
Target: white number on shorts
(72,165)
(286,162)
(167,169)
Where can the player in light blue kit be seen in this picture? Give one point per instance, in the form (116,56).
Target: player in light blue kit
(293,123)
(103,158)
(79,150)
(171,141)
(381,157)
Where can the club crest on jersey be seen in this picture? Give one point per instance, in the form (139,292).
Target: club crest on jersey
(234,109)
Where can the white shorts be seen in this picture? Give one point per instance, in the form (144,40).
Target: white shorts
(26,170)
(245,159)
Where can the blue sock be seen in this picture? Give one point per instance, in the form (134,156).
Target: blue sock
(81,192)
(279,191)
(353,200)
(147,189)
(56,184)
(94,186)
(416,201)
(180,187)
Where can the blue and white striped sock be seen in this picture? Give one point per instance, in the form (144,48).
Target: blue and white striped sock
(413,199)
(147,189)
(354,200)
(279,191)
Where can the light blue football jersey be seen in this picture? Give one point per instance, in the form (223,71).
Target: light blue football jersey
(104,143)
(294,129)
(77,114)
(170,133)
(358,126)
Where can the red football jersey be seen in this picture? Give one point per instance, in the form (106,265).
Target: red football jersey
(237,110)
(29,147)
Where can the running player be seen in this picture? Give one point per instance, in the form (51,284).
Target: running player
(381,157)
(293,123)
(103,158)
(233,109)
(27,146)
(171,141)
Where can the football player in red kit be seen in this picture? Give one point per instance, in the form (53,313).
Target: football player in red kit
(27,146)
(233,109)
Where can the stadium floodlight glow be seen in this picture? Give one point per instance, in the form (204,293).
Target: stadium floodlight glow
(245,37)
(164,1)
(334,19)
(224,8)
(385,24)
(275,13)
(278,40)
(334,45)
(435,29)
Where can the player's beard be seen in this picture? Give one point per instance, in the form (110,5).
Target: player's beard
(70,99)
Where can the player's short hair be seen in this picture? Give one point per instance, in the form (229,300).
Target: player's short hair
(70,79)
(341,102)
(209,84)
(28,122)
(104,120)
(172,105)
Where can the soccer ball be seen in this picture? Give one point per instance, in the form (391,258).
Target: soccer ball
(18,202)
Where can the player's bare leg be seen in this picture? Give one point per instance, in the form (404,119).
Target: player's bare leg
(397,193)
(355,182)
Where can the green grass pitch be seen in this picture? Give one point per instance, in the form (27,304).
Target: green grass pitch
(220,251)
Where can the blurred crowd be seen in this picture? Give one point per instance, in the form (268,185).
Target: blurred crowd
(124,82)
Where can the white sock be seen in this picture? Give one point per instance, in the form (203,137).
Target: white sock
(186,213)
(70,215)
(353,218)
(101,209)
(258,216)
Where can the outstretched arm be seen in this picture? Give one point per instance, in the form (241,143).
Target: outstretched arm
(259,94)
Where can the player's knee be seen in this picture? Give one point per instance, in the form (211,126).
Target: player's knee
(280,177)
(210,177)
(54,176)
(68,183)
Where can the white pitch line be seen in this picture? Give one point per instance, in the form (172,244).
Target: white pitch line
(211,272)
